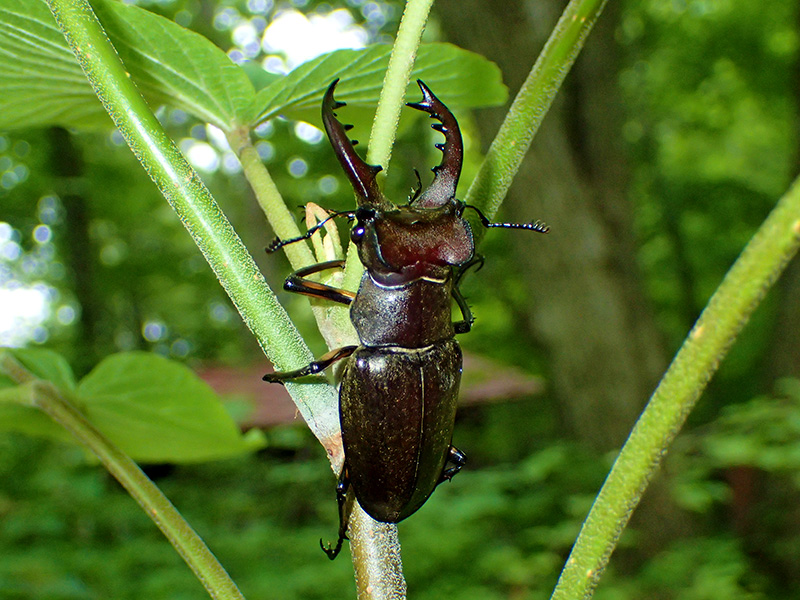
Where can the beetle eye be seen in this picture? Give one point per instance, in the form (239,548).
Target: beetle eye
(364,214)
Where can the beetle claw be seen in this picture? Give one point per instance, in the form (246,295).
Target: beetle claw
(330,550)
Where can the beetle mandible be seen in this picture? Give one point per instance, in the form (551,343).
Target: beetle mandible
(399,387)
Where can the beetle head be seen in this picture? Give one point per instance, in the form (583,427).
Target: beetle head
(407,243)
(423,239)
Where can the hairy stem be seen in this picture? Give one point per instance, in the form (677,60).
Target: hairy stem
(268,197)
(729,309)
(401,62)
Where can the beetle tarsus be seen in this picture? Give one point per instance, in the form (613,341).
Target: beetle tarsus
(341,500)
(465,324)
(458,460)
(331,551)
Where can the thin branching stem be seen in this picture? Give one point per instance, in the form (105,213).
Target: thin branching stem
(43,395)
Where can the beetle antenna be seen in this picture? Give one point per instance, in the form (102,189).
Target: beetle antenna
(278,243)
(537,226)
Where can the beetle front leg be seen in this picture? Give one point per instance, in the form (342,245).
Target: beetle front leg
(458,459)
(341,499)
(298,284)
(318,366)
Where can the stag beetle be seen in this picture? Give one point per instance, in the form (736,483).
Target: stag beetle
(399,387)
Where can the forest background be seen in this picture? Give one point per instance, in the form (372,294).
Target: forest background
(672,139)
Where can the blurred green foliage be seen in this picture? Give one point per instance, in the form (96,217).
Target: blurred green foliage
(67,530)
(709,89)
(699,75)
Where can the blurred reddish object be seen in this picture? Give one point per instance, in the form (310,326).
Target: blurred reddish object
(484,381)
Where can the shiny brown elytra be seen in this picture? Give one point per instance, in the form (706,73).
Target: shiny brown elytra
(399,388)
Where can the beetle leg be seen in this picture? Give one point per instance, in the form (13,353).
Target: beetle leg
(297,283)
(458,460)
(325,361)
(341,499)
(465,324)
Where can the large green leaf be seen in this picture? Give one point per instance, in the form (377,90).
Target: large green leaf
(457,76)
(157,410)
(43,84)
(45,364)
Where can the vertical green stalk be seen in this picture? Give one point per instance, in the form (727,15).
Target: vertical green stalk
(729,309)
(268,197)
(509,147)
(375,547)
(393,92)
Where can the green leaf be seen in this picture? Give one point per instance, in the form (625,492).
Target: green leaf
(174,65)
(45,364)
(43,84)
(14,415)
(157,410)
(19,417)
(259,77)
(41,81)
(458,77)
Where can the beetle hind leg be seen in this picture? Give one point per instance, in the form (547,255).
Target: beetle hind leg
(341,499)
(457,459)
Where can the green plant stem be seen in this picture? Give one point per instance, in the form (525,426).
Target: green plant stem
(46,397)
(378,565)
(197,210)
(268,197)
(729,309)
(531,104)
(393,92)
